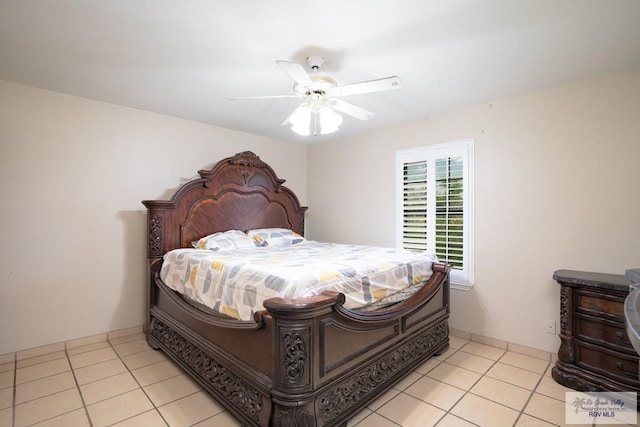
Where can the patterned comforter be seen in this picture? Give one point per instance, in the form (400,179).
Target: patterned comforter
(236,283)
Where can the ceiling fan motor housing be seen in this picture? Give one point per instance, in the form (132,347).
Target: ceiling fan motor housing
(321,85)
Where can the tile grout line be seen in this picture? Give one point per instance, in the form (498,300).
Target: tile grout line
(448,411)
(67,357)
(75,379)
(201,389)
(155,408)
(421,376)
(111,346)
(468,391)
(380,415)
(531,394)
(51,394)
(77,388)
(15,387)
(533,391)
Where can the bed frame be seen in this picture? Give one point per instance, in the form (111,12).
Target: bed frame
(306,362)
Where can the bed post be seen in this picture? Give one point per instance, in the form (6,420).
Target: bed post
(295,331)
(155,246)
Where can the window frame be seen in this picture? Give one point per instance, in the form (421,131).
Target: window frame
(460,278)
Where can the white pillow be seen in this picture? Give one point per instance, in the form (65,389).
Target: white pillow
(225,241)
(274,237)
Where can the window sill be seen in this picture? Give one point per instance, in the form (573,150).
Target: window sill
(461,286)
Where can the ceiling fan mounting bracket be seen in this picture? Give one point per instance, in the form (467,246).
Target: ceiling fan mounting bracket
(315,62)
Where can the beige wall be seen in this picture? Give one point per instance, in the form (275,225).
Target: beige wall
(556,187)
(72,175)
(557,181)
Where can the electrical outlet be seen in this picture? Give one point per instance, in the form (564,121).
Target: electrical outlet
(550,326)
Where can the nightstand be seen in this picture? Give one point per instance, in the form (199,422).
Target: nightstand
(595,352)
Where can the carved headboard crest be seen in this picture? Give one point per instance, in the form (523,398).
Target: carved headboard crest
(247,158)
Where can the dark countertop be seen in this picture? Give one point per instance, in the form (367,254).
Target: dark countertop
(617,282)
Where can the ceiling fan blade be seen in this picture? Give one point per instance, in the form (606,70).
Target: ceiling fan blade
(350,109)
(297,73)
(242,98)
(378,85)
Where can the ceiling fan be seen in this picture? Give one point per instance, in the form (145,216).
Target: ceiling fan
(320,95)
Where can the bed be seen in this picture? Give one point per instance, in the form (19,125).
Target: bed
(299,361)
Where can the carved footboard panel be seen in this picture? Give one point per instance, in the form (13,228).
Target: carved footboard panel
(349,394)
(247,400)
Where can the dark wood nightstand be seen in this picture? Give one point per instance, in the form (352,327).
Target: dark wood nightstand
(595,353)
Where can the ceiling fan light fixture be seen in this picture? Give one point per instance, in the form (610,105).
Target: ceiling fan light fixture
(315,118)
(300,120)
(329,120)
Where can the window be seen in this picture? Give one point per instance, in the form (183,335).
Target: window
(434,187)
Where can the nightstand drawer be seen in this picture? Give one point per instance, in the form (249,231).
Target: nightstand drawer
(603,332)
(607,362)
(601,305)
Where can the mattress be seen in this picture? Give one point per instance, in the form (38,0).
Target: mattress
(236,283)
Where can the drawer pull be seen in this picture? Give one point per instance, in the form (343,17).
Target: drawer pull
(620,366)
(622,336)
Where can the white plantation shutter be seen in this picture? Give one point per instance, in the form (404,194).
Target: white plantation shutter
(450,210)
(414,226)
(436,204)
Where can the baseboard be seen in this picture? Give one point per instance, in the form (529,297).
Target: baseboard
(494,342)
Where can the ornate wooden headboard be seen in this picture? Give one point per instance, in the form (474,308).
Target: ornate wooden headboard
(240,193)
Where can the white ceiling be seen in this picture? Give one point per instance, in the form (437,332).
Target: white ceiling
(185,57)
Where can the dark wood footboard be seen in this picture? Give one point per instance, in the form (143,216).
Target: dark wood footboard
(307,362)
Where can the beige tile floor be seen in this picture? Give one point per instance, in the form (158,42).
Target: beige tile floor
(120,381)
